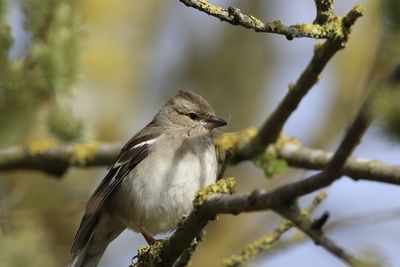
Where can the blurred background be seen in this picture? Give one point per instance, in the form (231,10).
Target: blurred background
(77,71)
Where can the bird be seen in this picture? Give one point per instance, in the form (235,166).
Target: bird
(153,181)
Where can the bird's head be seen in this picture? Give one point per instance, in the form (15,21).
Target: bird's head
(189,110)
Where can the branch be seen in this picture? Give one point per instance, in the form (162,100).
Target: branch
(333,169)
(271,128)
(306,225)
(321,29)
(324,11)
(56,160)
(356,168)
(255,248)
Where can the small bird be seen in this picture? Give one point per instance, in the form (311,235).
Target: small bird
(153,182)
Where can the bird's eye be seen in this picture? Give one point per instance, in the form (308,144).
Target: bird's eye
(192,115)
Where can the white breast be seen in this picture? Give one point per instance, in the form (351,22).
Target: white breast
(161,189)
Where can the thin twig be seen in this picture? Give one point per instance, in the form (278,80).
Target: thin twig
(321,29)
(305,225)
(265,243)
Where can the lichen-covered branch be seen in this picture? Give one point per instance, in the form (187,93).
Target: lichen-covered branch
(323,28)
(56,159)
(269,131)
(265,243)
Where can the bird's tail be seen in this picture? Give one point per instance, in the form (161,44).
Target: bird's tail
(84,259)
(91,253)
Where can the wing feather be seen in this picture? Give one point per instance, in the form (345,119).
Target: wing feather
(130,156)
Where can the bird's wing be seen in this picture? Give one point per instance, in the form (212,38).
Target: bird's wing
(130,156)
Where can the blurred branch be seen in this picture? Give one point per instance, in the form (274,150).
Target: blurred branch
(265,243)
(316,234)
(269,131)
(56,160)
(326,26)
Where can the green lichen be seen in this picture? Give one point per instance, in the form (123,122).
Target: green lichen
(222,186)
(313,30)
(275,26)
(269,162)
(150,255)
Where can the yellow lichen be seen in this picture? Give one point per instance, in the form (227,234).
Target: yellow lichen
(222,186)
(235,140)
(258,23)
(41,146)
(266,242)
(82,153)
(149,255)
(256,247)
(358,9)
(209,8)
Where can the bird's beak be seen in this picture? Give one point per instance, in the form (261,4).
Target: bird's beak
(215,122)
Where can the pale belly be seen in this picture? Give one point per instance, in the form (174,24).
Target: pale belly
(157,196)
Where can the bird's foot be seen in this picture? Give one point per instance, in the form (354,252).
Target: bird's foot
(147,236)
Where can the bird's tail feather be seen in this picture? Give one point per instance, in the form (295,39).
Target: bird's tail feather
(92,252)
(83,259)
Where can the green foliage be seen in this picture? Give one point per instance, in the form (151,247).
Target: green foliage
(64,125)
(46,75)
(56,47)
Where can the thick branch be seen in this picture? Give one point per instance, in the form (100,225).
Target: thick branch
(56,160)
